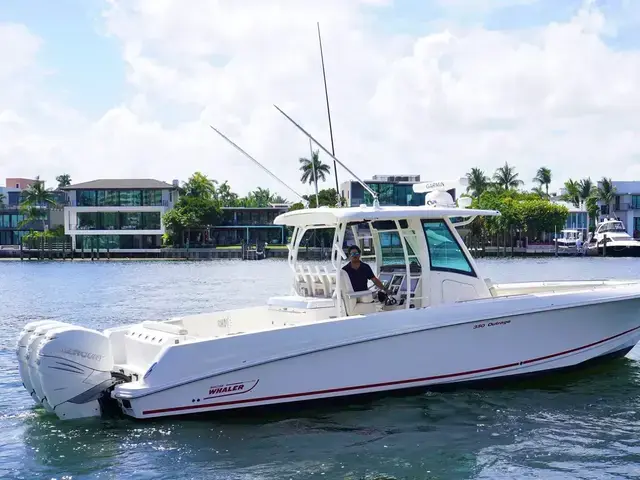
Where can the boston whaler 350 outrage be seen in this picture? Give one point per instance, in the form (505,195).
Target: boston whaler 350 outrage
(442,322)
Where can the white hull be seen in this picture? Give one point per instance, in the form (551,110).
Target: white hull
(460,353)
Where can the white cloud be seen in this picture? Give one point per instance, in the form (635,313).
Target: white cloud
(435,105)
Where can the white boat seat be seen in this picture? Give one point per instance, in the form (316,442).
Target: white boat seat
(303,303)
(164,327)
(356,303)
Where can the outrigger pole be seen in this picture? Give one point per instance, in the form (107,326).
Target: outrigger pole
(304,201)
(326,96)
(376,203)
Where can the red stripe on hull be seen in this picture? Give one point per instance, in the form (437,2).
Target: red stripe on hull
(384,384)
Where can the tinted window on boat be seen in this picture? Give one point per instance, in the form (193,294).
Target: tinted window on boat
(444,252)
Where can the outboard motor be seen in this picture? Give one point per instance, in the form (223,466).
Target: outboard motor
(31,336)
(74,370)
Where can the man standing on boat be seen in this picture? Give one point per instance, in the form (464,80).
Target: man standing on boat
(359,272)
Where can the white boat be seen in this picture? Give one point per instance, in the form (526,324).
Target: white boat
(442,323)
(618,242)
(568,238)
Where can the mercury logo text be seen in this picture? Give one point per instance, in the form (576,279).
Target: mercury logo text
(79,353)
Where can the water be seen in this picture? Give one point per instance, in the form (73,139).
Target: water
(579,425)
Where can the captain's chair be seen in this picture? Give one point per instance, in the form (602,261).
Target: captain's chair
(356,303)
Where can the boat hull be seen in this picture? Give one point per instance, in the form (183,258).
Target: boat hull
(615,251)
(495,349)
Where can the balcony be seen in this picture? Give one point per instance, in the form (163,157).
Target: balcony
(162,203)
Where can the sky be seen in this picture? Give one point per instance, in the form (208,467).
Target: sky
(128,88)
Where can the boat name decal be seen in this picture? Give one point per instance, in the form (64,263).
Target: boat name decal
(79,353)
(231,389)
(491,324)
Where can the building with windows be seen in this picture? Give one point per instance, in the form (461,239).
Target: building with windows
(120,215)
(625,205)
(249,225)
(11,218)
(391,190)
(578,218)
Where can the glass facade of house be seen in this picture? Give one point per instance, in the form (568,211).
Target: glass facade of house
(111,242)
(577,221)
(119,198)
(118,221)
(389,193)
(11,232)
(249,225)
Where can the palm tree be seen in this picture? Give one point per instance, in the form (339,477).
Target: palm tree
(478,182)
(543,178)
(307,167)
(572,192)
(586,189)
(540,192)
(606,192)
(506,177)
(63,180)
(35,204)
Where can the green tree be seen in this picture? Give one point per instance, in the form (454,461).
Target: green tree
(543,178)
(506,177)
(478,182)
(63,180)
(225,195)
(36,200)
(307,168)
(198,208)
(606,192)
(2,199)
(572,192)
(200,186)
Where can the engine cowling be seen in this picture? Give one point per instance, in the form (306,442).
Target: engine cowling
(74,367)
(32,334)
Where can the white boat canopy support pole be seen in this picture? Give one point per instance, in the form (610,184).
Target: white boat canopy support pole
(337,253)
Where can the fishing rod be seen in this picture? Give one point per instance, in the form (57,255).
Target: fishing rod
(304,201)
(364,185)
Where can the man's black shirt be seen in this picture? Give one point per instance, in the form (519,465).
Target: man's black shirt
(359,276)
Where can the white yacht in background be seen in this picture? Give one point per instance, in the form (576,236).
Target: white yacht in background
(618,242)
(441,322)
(568,238)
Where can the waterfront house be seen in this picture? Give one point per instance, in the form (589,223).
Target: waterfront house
(625,206)
(11,230)
(249,225)
(119,215)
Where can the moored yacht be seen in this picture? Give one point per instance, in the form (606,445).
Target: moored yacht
(618,242)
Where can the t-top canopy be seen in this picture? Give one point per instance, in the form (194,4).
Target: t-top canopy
(329,216)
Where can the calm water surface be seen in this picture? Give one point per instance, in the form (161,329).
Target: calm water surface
(580,425)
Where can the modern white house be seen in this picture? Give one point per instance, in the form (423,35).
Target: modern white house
(625,206)
(119,215)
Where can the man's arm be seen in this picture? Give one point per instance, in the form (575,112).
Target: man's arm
(375,280)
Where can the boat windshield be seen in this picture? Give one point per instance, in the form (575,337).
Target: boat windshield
(392,251)
(445,253)
(613,227)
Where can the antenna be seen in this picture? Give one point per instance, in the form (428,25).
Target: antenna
(304,201)
(326,96)
(376,203)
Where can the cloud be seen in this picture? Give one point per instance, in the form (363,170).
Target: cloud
(437,104)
